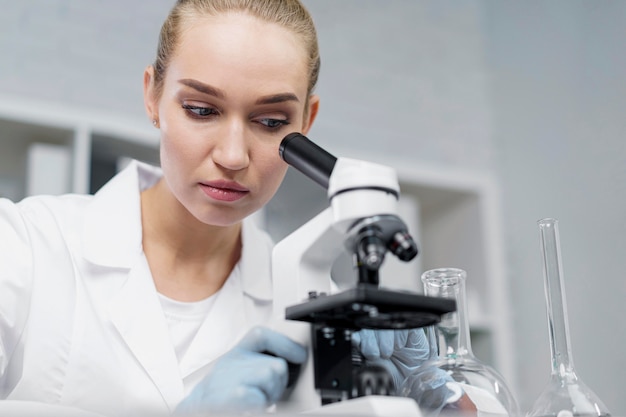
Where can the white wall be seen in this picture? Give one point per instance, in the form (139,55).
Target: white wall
(559,99)
(406,77)
(530,91)
(85,53)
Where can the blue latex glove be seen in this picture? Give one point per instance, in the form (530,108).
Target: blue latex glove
(404,353)
(401,352)
(245,380)
(433,389)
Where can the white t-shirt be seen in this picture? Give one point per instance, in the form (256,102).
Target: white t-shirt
(185,318)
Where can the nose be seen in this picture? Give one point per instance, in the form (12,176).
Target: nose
(231,149)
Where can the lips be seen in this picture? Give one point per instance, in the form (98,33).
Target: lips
(224,190)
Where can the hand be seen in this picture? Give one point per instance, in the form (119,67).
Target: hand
(431,387)
(398,351)
(436,392)
(245,379)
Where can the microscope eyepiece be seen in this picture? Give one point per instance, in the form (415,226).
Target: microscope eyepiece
(305,156)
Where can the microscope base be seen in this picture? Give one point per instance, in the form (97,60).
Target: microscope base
(369,406)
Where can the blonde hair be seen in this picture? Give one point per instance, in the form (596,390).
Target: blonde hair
(290,14)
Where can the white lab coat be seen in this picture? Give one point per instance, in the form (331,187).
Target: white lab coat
(80,320)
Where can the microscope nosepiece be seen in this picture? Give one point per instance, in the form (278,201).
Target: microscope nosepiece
(372,251)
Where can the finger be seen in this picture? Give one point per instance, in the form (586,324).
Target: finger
(401,338)
(415,352)
(432,341)
(254,401)
(260,339)
(243,399)
(417,339)
(369,344)
(269,375)
(385,342)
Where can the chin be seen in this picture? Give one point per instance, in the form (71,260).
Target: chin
(222,219)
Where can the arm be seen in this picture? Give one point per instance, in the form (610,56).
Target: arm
(15,280)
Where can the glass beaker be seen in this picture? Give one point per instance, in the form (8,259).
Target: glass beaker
(565,394)
(454,381)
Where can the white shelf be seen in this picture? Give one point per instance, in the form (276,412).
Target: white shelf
(94,140)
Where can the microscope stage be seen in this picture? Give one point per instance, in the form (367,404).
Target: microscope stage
(369,307)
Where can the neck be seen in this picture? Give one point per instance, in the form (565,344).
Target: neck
(189,260)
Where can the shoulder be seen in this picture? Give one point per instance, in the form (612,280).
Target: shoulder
(14,232)
(40,213)
(51,218)
(66,217)
(33,208)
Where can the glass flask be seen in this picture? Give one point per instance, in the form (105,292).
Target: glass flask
(454,381)
(565,394)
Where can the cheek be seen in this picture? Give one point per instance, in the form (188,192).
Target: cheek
(278,174)
(178,146)
(177,140)
(272,171)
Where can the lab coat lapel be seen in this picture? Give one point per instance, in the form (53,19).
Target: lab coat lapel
(243,301)
(137,314)
(112,240)
(112,227)
(221,330)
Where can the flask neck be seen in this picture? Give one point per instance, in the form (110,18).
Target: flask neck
(558,327)
(560,346)
(453,331)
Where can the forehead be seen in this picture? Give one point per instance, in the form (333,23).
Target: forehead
(241,50)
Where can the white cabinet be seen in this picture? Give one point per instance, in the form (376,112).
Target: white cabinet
(111,150)
(35,135)
(17,139)
(454,215)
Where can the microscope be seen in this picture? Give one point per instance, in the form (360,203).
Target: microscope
(361,219)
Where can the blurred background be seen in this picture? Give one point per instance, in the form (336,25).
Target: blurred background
(495,113)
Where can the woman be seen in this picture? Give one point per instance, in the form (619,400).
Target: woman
(146,299)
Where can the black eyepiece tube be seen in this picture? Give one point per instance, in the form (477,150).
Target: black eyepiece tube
(305,156)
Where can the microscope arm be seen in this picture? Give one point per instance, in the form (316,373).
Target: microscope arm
(302,261)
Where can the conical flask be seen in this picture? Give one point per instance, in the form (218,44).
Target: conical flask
(454,381)
(565,395)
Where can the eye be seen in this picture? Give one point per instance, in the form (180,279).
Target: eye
(273,123)
(199,111)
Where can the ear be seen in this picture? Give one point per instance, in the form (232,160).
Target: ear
(149,96)
(314,105)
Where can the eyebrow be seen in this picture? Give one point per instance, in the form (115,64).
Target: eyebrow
(216,92)
(277,98)
(203,88)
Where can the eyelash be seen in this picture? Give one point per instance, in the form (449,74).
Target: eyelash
(273,123)
(200,112)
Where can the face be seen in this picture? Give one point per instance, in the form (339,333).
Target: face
(235,87)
